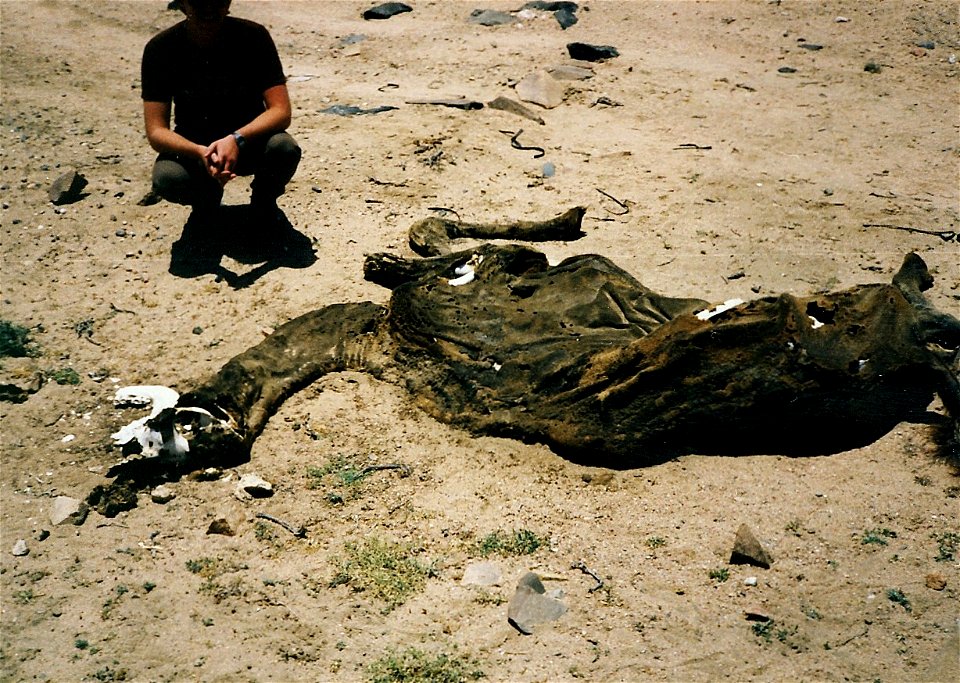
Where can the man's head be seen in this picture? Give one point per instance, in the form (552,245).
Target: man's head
(205,10)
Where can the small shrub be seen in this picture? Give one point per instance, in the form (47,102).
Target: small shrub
(15,341)
(415,666)
(897,596)
(519,542)
(763,629)
(720,574)
(877,536)
(387,570)
(64,376)
(947,546)
(655,542)
(24,597)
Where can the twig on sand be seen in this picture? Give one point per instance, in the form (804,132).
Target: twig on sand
(945,235)
(540,151)
(626,209)
(299,532)
(586,570)
(405,470)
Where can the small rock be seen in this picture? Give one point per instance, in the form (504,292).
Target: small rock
(508,105)
(67,188)
(570,72)
(747,549)
(936,581)
(489,17)
(386,10)
(787,70)
(530,606)
(162,494)
(750,581)
(927,44)
(20,548)
(68,510)
(42,535)
(481,574)
(252,485)
(756,614)
(541,88)
(208,474)
(591,53)
(221,526)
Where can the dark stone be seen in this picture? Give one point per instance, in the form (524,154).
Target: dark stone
(68,188)
(591,53)
(565,18)
(545,6)
(386,10)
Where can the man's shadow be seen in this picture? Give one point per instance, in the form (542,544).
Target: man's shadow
(234,231)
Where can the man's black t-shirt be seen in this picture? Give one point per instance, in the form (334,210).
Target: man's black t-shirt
(214,89)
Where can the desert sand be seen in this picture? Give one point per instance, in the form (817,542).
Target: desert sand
(708,169)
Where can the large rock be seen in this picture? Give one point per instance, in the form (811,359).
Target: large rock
(531,606)
(67,510)
(67,188)
(541,88)
(748,550)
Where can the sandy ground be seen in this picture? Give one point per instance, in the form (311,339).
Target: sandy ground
(790,166)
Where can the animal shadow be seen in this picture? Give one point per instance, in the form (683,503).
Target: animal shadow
(239,234)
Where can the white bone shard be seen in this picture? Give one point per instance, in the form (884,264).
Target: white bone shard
(719,308)
(814,323)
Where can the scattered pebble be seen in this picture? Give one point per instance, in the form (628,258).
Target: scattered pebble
(750,581)
(20,548)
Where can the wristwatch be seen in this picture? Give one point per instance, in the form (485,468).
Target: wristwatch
(241,141)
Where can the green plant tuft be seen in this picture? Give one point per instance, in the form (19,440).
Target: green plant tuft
(519,542)
(389,571)
(415,666)
(15,341)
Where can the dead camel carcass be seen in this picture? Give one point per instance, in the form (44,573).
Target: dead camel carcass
(584,358)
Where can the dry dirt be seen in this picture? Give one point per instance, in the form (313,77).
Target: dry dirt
(790,166)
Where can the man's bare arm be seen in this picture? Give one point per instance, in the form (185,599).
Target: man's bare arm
(223,153)
(156,119)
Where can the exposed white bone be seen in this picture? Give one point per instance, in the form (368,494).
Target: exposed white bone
(158,397)
(814,323)
(463,279)
(720,308)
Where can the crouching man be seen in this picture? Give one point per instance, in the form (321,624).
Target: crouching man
(222,80)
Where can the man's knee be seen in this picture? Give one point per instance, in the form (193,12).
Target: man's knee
(283,151)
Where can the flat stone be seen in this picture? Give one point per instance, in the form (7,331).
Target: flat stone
(747,550)
(386,10)
(162,494)
(541,88)
(67,510)
(591,53)
(252,485)
(508,105)
(221,527)
(530,605)
(481,574)
(935,581)
(67,188)
(490,17)
(570,72)
(20,548)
